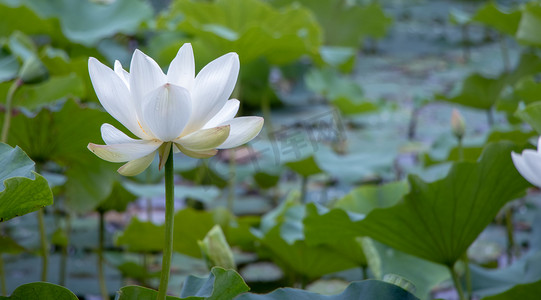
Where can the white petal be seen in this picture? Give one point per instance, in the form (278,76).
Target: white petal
(243,130)
(204,139)
(195,154)
(111,135)
(531,166)
(212,87)
(114,96)
(539,144)
(137,166)
(523,168)
(124,152)
(182,69)
(225,114)
(167,110)
(145,77)
(123,74)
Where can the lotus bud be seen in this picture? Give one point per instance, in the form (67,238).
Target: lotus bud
(216,250)
(457,124)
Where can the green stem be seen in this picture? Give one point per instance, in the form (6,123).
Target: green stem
(304,186)
(505,53)
(169,211)
(64,257)
(365,272)
(466,41)
(510,235)
(101,245)
(460,150)
(456,282)
(44,246)
(3,276)
(232,181)
(9,99)
(265,108)
(467,272)
(490,117)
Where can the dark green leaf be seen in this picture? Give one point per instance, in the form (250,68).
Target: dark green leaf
(219,284)
(521,291)
(41,291)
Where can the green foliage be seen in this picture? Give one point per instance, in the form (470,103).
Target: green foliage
(251,28)
(493,16)
(23,190)
(41,291)
(522,291)
(529,24)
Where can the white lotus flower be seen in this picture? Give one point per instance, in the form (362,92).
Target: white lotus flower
(528,164)
(191,112)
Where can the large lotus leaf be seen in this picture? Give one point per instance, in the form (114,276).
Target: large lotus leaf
(135,292)
(528,90)
(531,114)
(301,258)
(14,16)
(9,66)
(366,198)
(22,190)
(305,167)
(493,16)
(219,284)
(8,245)
(449,213)
(384,260)
(360,290)
(53,90)
(528,29)
(204,194)
(41,291)
(252,28)
(138,234)
(87,22)
(521,291)
(477,91)
(336,19)
(118,199)
(141,236)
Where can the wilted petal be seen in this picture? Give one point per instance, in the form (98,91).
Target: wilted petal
(123,74)
(137,166)
(243,130)
(124,152)
(204,139)
(225,114)
(167,110)
(111,135)
(114,96)
(182,69)
(213,86)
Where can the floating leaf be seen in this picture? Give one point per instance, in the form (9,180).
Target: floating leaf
(41,291)
(363,290)
(493,16)
(219,284)
(366,198)
(23,190)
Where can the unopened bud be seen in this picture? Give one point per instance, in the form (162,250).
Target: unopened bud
(216,250)
(457,124)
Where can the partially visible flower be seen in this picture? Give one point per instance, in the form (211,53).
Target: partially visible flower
(528,164)
(190,112)
(457,124)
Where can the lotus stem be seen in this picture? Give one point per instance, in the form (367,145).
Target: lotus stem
(2,276)
(232,181)
(44,245)
(64,257)
(101,244)
(304,186)
(169,211)
(9,99)
(467,272)
(456,283)
(510,235)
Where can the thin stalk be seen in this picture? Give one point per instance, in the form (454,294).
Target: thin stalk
(101,245)
(44,246)
(9,99)
(456,282)
(232,181)
(466,42)
(412,128)
(64,257)
(365,272)
(304,186)
(169,210)
(490,117)
(467,272)
(265,108)
(460,150)
(2,277)
(510,235)
(505,53)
